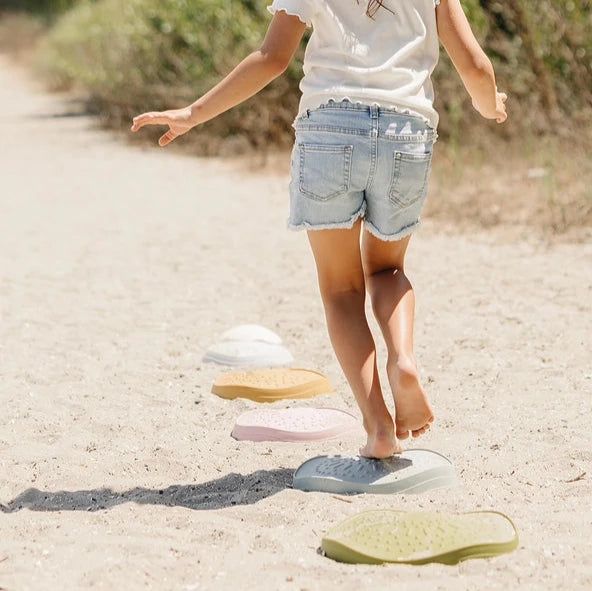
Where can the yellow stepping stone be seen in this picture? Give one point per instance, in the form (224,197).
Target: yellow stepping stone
(268,385)
(375,537)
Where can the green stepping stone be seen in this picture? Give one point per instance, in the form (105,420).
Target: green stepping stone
(375,537)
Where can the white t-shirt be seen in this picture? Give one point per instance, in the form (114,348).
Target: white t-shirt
(385,60)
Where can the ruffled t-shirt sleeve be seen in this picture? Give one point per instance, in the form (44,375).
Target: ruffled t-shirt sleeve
(303,9)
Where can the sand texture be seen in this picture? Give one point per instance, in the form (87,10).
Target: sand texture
(120,266)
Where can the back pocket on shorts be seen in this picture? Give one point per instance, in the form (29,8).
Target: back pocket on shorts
(324,170)
(410,178)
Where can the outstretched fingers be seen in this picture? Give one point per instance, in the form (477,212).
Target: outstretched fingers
(502,98)
(153,118)
(156,118)
(167,138)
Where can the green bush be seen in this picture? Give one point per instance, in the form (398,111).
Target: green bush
(44,7)
(151,54)
(542,54)
(157,54)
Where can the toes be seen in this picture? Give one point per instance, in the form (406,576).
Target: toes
(421,431)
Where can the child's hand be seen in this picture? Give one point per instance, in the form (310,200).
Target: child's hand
(178,120)
(499,114)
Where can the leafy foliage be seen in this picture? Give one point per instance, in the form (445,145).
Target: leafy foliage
(156,54)
(48,8)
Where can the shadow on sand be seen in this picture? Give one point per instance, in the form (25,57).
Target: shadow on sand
(228,491)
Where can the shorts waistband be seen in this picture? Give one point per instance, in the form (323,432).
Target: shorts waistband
(356,106)
(374,110)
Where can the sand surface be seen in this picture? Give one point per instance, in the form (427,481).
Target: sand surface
(120,265)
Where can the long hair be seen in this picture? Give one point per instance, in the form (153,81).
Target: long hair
(373,6)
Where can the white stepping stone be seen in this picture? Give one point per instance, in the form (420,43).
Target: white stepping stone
(251,332)
(248,353)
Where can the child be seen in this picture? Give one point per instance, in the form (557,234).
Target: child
(361,161)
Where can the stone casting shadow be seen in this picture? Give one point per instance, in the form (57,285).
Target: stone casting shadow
(228,491)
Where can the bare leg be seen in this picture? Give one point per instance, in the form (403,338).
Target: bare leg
(393,303)
(341,282)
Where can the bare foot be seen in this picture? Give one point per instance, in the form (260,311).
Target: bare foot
(381,446)
(413,412)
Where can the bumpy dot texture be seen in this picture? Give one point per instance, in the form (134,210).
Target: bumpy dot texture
(295,424)
(375,537)
(414,471)
(268,385)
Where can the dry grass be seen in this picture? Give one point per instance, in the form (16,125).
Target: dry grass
(544,184)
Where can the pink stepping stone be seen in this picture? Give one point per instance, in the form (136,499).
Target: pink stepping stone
(295,424)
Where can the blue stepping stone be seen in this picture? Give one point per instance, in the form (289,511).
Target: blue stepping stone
(413,471)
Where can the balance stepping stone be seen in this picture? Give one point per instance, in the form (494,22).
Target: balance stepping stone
(268,385)
(249,345)
(375,537)
(248,353)
(251,333)
(295,424)
(413,471)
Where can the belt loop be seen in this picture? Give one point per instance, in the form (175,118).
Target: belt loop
(374,119)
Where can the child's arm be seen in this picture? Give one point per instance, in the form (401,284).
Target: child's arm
(249,77)
(473,66)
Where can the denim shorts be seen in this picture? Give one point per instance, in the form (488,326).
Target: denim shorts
(352,160)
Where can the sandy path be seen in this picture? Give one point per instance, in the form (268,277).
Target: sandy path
(120,265)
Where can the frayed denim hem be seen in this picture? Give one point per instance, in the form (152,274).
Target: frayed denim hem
(347,225)
(391,237)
